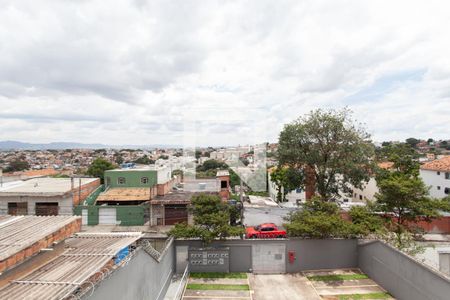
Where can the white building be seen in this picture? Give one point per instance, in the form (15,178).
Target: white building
(436,175)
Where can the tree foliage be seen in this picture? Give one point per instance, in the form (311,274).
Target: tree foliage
(403,196)
(336,150)
(211,220)
(319,219)
(286,180)
(98,168)
(412,142)
(17,165)
(404,157)
(144,160)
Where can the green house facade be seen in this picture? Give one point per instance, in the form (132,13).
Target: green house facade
(129,178)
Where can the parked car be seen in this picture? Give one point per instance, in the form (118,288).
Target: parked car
(264,231)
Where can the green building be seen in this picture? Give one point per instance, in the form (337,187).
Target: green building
(130,178)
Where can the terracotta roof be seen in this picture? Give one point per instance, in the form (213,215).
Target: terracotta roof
(125,194)
(442,164)
(386,165)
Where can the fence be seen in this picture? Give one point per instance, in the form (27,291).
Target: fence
(401,275)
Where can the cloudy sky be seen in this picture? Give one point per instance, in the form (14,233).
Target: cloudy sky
(219,73)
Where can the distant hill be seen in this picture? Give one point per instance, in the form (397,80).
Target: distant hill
(15,145)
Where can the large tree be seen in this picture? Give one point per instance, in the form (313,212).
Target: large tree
(98,168)
(330,146)
(211,220)
(403,196)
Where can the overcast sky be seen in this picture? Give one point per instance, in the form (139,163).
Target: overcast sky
(155,72)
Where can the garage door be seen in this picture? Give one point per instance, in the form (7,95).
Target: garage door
(269,258)
(47,209)
(175,214)
(107,216)
(84,216)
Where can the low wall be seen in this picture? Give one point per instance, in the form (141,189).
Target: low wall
(400,275)
(309,254)
(142,278)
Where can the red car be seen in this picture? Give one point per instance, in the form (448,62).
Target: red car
(264,231)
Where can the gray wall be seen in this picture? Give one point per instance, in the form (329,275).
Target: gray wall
(65,203)
(400,275)
(310,254)
(143,278)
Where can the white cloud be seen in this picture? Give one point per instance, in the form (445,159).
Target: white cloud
(134,72)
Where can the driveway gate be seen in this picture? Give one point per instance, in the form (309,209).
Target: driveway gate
(269,258)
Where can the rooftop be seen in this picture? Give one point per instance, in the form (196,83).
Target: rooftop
(442,164)
(73,272)
(20,232)
(44,186)
(125,194)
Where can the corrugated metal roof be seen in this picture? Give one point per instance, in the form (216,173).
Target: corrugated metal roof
(20,232)
(86,255)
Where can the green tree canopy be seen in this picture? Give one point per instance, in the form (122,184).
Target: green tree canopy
(337,150)
(319,219)
(211,220)
(98,168)
(412,142)
(144,160)
(404,157)
(17,165)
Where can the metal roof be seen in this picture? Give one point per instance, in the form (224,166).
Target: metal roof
(20,232)
(86,255)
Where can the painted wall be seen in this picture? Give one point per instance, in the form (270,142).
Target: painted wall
(400,275)
(142,278)
(435,180)
(310,254)
(126,215)
(132,178)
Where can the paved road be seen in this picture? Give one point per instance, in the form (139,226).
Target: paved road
(265,214)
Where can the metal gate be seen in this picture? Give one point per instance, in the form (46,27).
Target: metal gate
(269,258)
(107,216)
(175,214)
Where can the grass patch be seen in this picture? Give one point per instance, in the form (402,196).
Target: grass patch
(365,296)
(219,275)
(230,287)
(337,277)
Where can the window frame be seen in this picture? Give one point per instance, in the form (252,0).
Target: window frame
(119,180)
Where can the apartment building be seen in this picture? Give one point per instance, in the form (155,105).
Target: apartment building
(436,175)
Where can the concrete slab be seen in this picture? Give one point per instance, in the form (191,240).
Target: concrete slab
(332,272)
(282,287)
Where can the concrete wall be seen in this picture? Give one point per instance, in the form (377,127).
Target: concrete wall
(142,278)
(400,275)
(65,203)
(310,254)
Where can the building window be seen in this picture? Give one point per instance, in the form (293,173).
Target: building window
(360,197)
(438,173)
(223,184)
(121,180)
(439,188)
(447,175)
(144,180)
(447,191)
